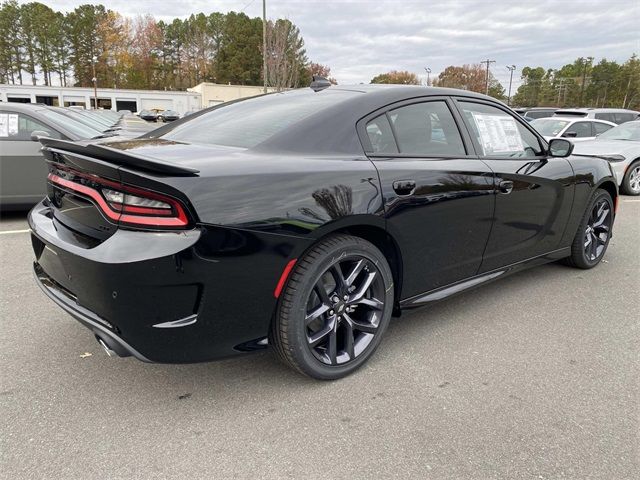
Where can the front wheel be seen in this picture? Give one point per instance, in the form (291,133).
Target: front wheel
(594,233)
(334,309)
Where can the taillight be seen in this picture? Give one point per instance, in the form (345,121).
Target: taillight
(127,205)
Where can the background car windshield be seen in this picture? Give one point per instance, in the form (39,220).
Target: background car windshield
(626,131)
(250,122)
(75,127)
(549,128)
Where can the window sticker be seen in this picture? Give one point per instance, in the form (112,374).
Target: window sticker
(13,124)
(4,125)
(499,134)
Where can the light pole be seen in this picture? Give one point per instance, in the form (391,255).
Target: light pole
(511,68)
(428,70)
(94,59)
(264,43)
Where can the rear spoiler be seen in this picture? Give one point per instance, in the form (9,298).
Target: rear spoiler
(117,157)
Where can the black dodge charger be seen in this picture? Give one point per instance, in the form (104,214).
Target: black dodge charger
(305,220)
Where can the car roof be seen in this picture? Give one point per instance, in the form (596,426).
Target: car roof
(573,119)
(23,107)
(596,110)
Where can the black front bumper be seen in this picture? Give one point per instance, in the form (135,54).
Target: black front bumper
(169,297)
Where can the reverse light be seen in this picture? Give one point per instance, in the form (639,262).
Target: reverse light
(125,202)
(127,205)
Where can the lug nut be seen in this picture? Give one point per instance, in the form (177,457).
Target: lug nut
(331,312)
(345,298)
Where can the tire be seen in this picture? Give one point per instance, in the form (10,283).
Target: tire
(312,326)
(631,181)
(594,233)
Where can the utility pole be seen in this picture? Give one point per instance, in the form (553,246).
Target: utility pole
(584,76)
(488,62)
(511,68)
(264,43)
(428,70)
(560,91)
(94,59)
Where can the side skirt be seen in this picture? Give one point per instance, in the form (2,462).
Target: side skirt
(482,279)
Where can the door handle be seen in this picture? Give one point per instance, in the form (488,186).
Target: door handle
(404,187)
(505,186)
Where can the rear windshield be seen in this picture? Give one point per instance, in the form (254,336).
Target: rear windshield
(569,113)
(75,127)
(250,122)
(627,131)
(539,113)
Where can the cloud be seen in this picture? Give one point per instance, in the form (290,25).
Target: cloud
(359,39)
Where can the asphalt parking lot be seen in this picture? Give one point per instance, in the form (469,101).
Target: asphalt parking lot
(533,377)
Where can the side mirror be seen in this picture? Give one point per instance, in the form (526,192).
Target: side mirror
(570,134)
(38,133)
(559,147)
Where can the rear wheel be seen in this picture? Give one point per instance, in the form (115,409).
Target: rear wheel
(334,309)
(631,181)
(594,233)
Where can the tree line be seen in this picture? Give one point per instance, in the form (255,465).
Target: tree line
(578,84)
(582,84)
(41,45)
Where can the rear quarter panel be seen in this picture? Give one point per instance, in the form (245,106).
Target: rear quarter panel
(292,195)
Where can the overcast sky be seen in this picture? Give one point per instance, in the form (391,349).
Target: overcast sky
(359,39)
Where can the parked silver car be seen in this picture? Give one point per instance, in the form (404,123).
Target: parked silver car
(621,146)
(22,168)
(615,115)
(577,129)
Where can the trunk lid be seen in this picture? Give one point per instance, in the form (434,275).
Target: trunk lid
(85,177)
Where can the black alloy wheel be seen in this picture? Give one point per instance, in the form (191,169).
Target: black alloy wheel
(344,310)
(594,233)
(598,229)
(334,308)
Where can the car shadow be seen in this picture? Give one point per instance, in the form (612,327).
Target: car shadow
(264,371)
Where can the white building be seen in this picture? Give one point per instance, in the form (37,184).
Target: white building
(108,98)
(201,96)
(216,93)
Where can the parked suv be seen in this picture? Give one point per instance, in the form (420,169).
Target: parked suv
(530,114)
(615,115)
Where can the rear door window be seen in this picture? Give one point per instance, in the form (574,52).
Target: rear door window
(427,129)
(623,117)
(599,128)
(605,116)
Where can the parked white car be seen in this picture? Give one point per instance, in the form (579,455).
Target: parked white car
(621,146)
(577,129)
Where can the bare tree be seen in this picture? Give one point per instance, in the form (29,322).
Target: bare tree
(285,56)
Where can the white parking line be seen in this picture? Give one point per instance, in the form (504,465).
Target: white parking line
(8,232)
(632,200)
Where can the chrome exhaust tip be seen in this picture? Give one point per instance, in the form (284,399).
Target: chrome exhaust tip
(106,348)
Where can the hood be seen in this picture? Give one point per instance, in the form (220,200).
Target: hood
(608,147)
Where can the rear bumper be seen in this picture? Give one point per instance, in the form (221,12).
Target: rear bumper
(100,327)
(168,297)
